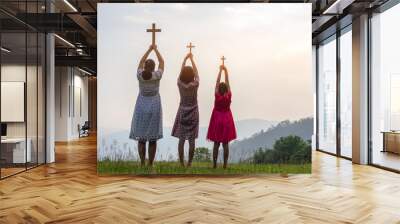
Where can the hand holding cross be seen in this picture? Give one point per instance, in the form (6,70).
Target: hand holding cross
(153,31)
(190,46)
(223,60)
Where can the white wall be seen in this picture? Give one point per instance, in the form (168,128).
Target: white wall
(12,73)
(33,126)
(62,81)
(80,84)
(70,83)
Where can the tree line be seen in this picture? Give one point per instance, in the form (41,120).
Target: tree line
(291,149)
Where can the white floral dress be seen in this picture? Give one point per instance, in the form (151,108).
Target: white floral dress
(147,117)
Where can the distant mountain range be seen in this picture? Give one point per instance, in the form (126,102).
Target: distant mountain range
(119,146)
(245,148)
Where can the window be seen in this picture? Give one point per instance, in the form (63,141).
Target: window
(22,88)
(385,89)
(346,92)
(327,95)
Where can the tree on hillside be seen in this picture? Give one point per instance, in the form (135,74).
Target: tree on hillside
(245,148)
(202,154)
(290,149)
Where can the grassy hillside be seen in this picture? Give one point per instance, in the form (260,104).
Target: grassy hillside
(243,149)
(134,168)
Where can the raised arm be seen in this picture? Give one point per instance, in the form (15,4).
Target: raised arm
(218,79)
(160,59)
(144,58)
(227,79)
(196,73)
(184,61)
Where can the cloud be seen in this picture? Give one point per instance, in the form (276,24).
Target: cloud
(236,10)
(137,19)
(250,18)
(257,39)
(180,6)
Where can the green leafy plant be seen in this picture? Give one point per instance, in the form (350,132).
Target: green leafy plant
(202,154)
(286,150)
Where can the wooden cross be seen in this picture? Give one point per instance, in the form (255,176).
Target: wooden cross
(190,46)
(153,30)
(223,60)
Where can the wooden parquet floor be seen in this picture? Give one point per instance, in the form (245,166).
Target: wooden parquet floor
(69,191)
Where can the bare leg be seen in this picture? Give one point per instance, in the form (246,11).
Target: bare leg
(191,152)
(142,152)
(152,152)
(215,154)
(181,151)
(226,153)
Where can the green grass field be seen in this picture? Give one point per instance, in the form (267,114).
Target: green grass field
(132,167)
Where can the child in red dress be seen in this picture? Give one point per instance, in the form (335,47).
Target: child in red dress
(221,128)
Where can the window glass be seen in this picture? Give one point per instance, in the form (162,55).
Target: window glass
(385,89)
(327,96)
(346,94)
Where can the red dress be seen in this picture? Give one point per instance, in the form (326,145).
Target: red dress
(222,128)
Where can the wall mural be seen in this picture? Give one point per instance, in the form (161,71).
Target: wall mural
(204,88)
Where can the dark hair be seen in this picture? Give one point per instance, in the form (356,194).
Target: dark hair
(222,88)
(149,66)
(187,74)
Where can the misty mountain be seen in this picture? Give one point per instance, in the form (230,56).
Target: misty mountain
(247,128)
(118,145)
(245,148)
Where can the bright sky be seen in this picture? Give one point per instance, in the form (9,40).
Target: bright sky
(267,46)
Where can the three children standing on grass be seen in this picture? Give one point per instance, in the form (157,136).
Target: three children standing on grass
(147,118)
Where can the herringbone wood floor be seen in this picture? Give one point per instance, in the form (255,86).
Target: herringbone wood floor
(70,191)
